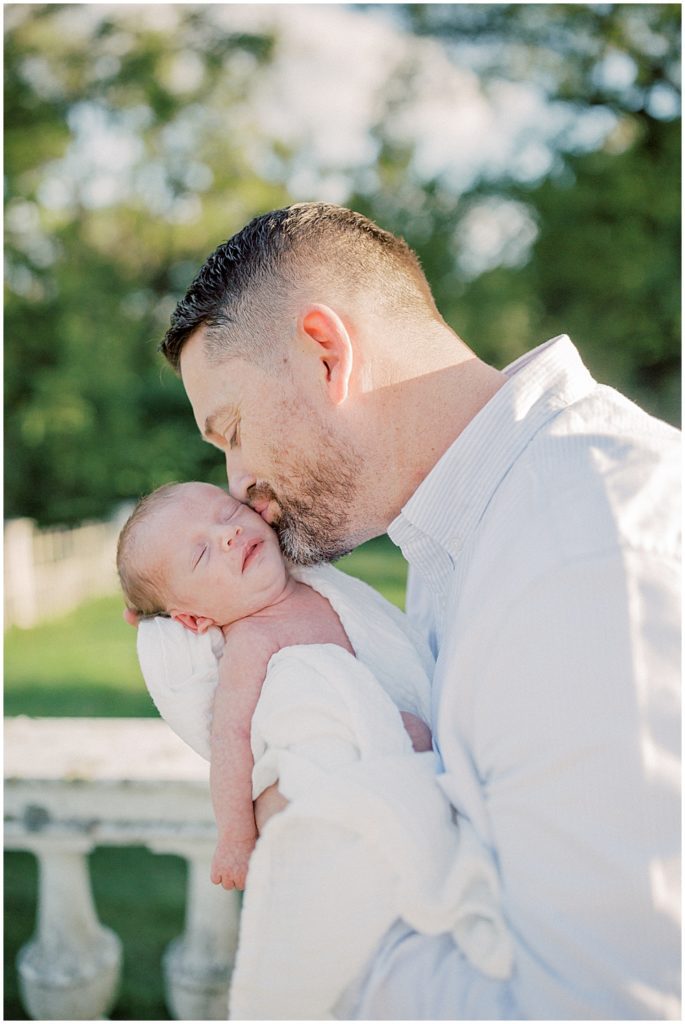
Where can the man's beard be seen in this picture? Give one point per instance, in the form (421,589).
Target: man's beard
(315,528)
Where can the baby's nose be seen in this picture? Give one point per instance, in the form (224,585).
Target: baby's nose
(230,535)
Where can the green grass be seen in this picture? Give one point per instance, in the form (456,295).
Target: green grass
(381,564)
(84,664)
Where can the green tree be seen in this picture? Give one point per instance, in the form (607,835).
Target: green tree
(159,100)
(605,265)
(92,415)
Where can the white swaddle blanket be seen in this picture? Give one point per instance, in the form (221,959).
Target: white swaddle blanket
(180,667)
(367,838)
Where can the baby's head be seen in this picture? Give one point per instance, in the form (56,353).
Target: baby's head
(192,552)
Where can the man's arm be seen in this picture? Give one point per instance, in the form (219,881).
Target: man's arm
(421,977)
(576,734)
(565,701)
(571,723)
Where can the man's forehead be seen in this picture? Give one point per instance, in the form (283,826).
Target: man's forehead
(194,364)
(194,348)
(201,363)
(207,386)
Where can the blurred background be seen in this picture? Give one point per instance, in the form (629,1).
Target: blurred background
(529,153)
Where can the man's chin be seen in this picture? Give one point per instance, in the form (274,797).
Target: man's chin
(301,548)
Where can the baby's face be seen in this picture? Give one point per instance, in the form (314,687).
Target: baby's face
(219,559)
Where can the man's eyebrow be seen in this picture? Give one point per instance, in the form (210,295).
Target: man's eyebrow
(225,412)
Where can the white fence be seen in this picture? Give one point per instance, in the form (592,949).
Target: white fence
(49,572)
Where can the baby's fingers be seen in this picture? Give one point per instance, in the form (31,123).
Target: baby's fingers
(220,877)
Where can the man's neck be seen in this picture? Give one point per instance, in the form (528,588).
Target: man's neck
(423,416)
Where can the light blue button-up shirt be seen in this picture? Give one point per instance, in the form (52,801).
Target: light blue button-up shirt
(543,551)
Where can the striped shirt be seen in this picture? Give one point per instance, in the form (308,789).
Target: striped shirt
(543,551)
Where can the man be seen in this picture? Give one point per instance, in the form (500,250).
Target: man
(538,513)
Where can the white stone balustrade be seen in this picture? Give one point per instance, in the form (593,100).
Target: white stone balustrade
(75,783)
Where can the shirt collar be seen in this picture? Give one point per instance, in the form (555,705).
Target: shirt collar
(434,525)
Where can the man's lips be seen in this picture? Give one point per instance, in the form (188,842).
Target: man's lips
(249,551)
(268,509)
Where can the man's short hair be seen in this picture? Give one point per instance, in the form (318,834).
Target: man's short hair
(244,286)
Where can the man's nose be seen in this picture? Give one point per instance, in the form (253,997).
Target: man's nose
(239,480)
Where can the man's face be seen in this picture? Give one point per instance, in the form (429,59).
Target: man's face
(281,458)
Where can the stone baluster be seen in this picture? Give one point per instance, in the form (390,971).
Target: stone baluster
(75,783)
(197,965)
(70,969)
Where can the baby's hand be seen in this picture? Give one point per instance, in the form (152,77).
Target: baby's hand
(231,859)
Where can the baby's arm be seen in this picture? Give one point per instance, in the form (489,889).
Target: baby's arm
(241,674)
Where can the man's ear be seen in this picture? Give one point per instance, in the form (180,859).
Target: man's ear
(195,623)
(334,348)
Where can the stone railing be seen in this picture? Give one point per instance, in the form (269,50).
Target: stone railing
(73,784)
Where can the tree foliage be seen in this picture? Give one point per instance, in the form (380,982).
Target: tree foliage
(605,265)
(95,262)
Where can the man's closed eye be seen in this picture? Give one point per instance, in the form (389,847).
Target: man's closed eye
(234,439)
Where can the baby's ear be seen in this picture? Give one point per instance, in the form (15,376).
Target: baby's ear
(195,623)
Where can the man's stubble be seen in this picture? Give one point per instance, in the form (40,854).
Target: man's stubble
(315,498)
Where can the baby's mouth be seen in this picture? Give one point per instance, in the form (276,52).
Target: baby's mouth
(249,552)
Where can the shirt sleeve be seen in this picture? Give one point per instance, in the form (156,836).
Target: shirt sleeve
(573,727)
(570,718)
(418,977)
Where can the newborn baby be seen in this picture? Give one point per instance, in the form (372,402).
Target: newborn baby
(192,552)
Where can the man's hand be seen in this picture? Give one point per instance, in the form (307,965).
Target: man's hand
(268,803)
(230,863)
(419,733)
(131,617)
